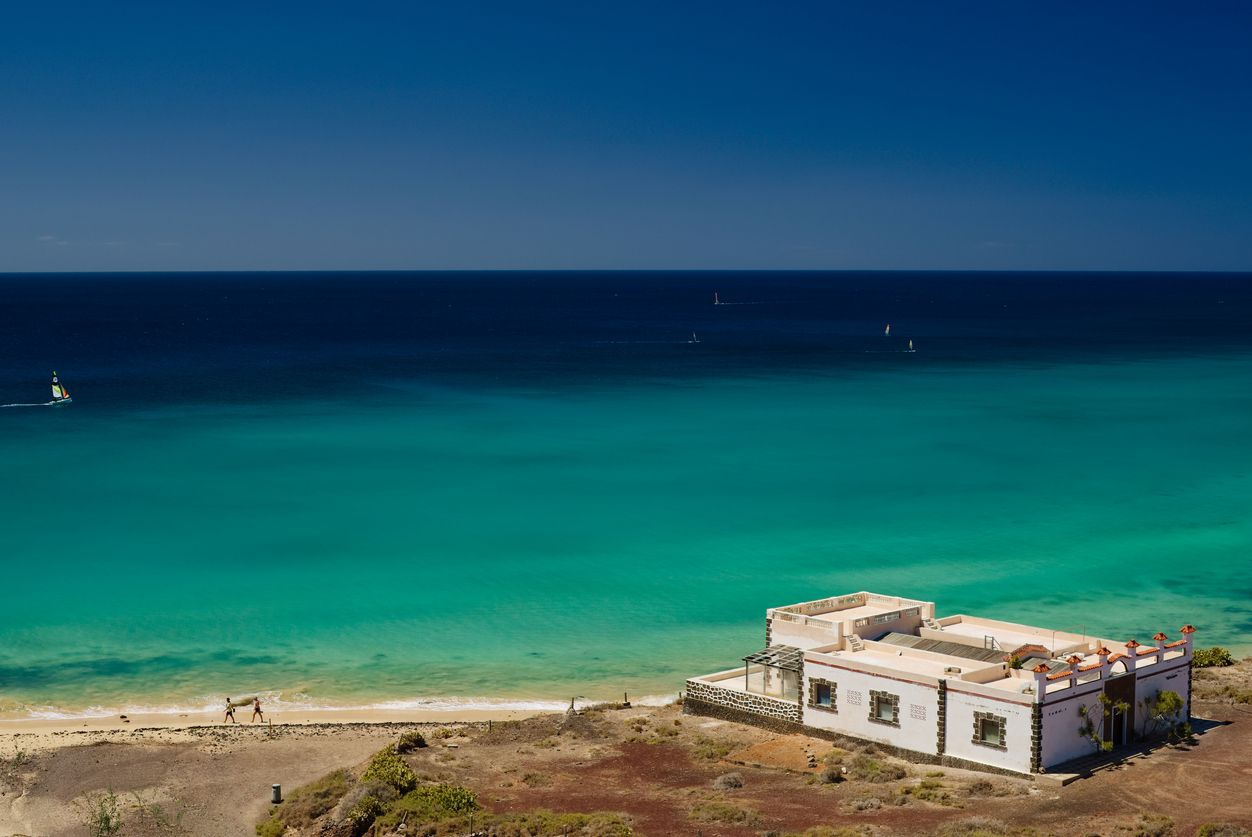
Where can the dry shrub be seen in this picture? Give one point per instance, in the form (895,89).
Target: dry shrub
(1153,825)
(1222,829)
(712,749)
(866,768)
(714,811)
(984,827)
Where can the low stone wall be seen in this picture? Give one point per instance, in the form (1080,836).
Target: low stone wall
(692,706)
(756,705)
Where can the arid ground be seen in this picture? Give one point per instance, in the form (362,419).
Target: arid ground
(655,771)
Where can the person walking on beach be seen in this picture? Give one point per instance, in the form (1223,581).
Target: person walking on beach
(230,712)
(256,710)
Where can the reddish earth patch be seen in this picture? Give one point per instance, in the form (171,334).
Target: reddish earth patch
(788,752)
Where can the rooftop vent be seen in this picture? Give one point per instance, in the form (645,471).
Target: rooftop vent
(952,670)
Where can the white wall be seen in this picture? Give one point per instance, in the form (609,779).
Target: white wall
(1061,722)
(904,625)
(782,632)
(1170,676)
(914,733)
(961,707)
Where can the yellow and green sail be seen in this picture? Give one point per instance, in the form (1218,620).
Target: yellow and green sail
(59,392)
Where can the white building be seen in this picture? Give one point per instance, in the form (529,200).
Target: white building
(958,690)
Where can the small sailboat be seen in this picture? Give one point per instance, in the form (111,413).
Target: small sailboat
(716,299)
(910,348)
(887,331)
(60,395)
(694,338)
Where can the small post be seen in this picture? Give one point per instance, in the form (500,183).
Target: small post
(277,795)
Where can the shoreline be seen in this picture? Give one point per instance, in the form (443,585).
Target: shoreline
(63,730)
(287,710)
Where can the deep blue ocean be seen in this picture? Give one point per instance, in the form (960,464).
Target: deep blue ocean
(410,488)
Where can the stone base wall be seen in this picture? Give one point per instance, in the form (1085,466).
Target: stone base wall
(757,705)
(694,706)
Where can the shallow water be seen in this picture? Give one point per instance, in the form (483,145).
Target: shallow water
(487,487)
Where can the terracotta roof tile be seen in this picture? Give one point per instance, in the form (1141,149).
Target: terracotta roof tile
(1188,629)
(1160,636)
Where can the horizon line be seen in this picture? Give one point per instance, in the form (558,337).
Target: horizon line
(1027,271)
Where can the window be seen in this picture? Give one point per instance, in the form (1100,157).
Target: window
(822,694)
(989,730)
(884,708)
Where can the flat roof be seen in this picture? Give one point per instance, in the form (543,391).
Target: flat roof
(852,613)
(939,646)
(1010,636)
(925,666)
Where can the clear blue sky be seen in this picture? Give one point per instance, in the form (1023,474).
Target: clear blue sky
(221,135)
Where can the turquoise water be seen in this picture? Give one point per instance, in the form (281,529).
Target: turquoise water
(487,543)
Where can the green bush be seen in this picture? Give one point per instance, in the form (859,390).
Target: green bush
(410,741)
(272,827)
(363,813)
(388,768)
(431,804)
(1209,657)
